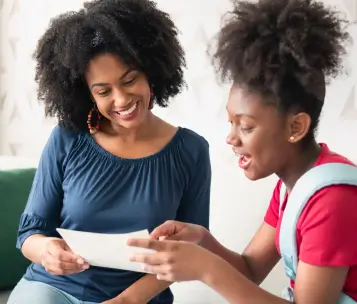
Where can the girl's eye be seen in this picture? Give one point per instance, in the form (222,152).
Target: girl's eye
(247,129)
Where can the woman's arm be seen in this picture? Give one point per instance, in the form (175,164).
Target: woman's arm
(41,216)
(31,248)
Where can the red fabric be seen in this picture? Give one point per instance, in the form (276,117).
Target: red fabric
(326,229)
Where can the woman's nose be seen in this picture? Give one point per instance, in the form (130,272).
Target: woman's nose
(120,99)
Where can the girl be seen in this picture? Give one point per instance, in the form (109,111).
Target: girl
(278,54)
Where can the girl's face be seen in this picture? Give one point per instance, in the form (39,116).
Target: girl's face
(259,135)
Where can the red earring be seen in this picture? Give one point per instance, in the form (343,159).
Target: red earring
(151,103)
(93,129)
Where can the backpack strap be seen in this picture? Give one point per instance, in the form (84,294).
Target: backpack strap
(282,193)
(307,185)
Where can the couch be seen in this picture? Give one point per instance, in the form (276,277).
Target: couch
(16,176)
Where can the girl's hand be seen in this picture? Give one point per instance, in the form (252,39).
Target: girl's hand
(173,261)
(180,231)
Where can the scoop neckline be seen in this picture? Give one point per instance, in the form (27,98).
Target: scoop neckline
(157,154)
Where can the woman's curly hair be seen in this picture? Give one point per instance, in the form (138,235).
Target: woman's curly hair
(283,48)
(135,30)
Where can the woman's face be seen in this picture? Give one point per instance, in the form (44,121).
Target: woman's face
(122,94)
(259,135)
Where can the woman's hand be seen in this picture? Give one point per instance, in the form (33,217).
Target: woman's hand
(174,261)
(179,231)
(58,259)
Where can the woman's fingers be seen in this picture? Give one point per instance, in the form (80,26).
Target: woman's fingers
(58,267)
(58,259)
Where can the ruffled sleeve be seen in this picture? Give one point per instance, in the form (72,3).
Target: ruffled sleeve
(31,224)
(43,208)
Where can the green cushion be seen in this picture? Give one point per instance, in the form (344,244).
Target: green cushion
(15,186)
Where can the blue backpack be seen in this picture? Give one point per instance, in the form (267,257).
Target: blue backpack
(311,182)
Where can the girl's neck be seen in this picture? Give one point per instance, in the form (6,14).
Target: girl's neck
(300,163)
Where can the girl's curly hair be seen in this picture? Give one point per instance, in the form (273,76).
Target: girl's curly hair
(135,30)
(286,49)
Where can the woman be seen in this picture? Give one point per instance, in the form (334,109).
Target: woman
(111,166)
(278,53)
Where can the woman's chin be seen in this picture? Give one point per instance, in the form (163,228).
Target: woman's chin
(133,122)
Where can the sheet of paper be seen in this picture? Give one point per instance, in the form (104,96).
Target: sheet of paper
(105,250)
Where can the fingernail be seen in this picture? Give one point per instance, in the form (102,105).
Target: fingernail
(80,261)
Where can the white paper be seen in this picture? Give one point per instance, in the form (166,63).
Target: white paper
(105,250)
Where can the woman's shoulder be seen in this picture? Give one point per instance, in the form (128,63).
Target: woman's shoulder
(192,146)
(61,132)
(63,139)
(193,139)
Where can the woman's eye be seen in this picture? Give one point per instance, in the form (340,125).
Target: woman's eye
(104,93)
(129,82)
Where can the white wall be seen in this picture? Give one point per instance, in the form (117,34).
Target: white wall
(237,204)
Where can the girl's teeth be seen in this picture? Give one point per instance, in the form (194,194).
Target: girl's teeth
(244,159)
(129,111)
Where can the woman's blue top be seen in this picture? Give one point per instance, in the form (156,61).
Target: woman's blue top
(81,186)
